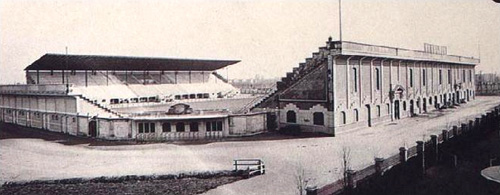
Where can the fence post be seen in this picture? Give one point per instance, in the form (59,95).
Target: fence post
(351,184)
(471,126)
(421,157)
(478,124)
(455,131)
(445,135)
(378,165)
(311,190)
(435,149)
(463,128)
(403,154)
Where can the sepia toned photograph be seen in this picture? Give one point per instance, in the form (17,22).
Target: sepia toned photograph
(250,97)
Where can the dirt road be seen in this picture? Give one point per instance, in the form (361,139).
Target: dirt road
(28,159)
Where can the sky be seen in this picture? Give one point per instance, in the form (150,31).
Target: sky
(270,37)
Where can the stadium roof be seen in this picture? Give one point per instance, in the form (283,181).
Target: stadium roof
(95,62)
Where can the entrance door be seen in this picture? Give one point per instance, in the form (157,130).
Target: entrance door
(424,105)
(369,115)
(396,109)
(93,128)
(412,109)
(271,121)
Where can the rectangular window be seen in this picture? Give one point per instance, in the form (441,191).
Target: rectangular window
(470,76)
(167,127)
(424,77)
(193,127)
(355,76)
(411,77)
(146,128)
(219,125)
(449,76)
(214,126)
(440,77)
(208,126)
(152,127)
(463,76)
(141,127)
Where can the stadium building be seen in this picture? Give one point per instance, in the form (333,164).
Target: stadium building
(116,97)
(349,85)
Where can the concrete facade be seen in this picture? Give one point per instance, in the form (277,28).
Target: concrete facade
(350,85)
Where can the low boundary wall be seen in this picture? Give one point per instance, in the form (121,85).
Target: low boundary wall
(414,159)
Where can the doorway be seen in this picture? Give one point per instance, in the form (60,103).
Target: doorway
(369,115)
(412,109)
(93,129)
(396,110)
(424,106)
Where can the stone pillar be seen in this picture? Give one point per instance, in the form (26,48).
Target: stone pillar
(455,131)
(435,149)
(421,157)
(477,124)
(445,135)
(311,190)
(403,154)
(471,126)
(463,128)
(351,184)
(378,165)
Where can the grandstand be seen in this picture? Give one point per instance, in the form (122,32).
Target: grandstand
(119,97)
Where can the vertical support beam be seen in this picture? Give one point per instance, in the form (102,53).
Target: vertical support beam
(107,78)
(37,77)
(62,76)
(126,77)
(86,79)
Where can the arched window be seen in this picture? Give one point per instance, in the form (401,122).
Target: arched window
(377,76)
(378,111)
(356,115)
(355,77)
(388,108)
(193,127)
(166,127)
(404,105)
(342,114)
(179,127)
(318,118)
(291,117)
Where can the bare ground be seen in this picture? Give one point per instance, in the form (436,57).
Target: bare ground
(30,159)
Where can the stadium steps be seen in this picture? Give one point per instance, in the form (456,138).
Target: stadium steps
(291,78)
(100,106)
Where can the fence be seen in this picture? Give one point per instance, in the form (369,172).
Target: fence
(418,157)
(252,166)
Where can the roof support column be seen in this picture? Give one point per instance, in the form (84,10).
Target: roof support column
(86,79)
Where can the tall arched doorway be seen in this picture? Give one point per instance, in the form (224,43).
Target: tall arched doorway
(368,115)
(424,105)
(396,110)
(412,108)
